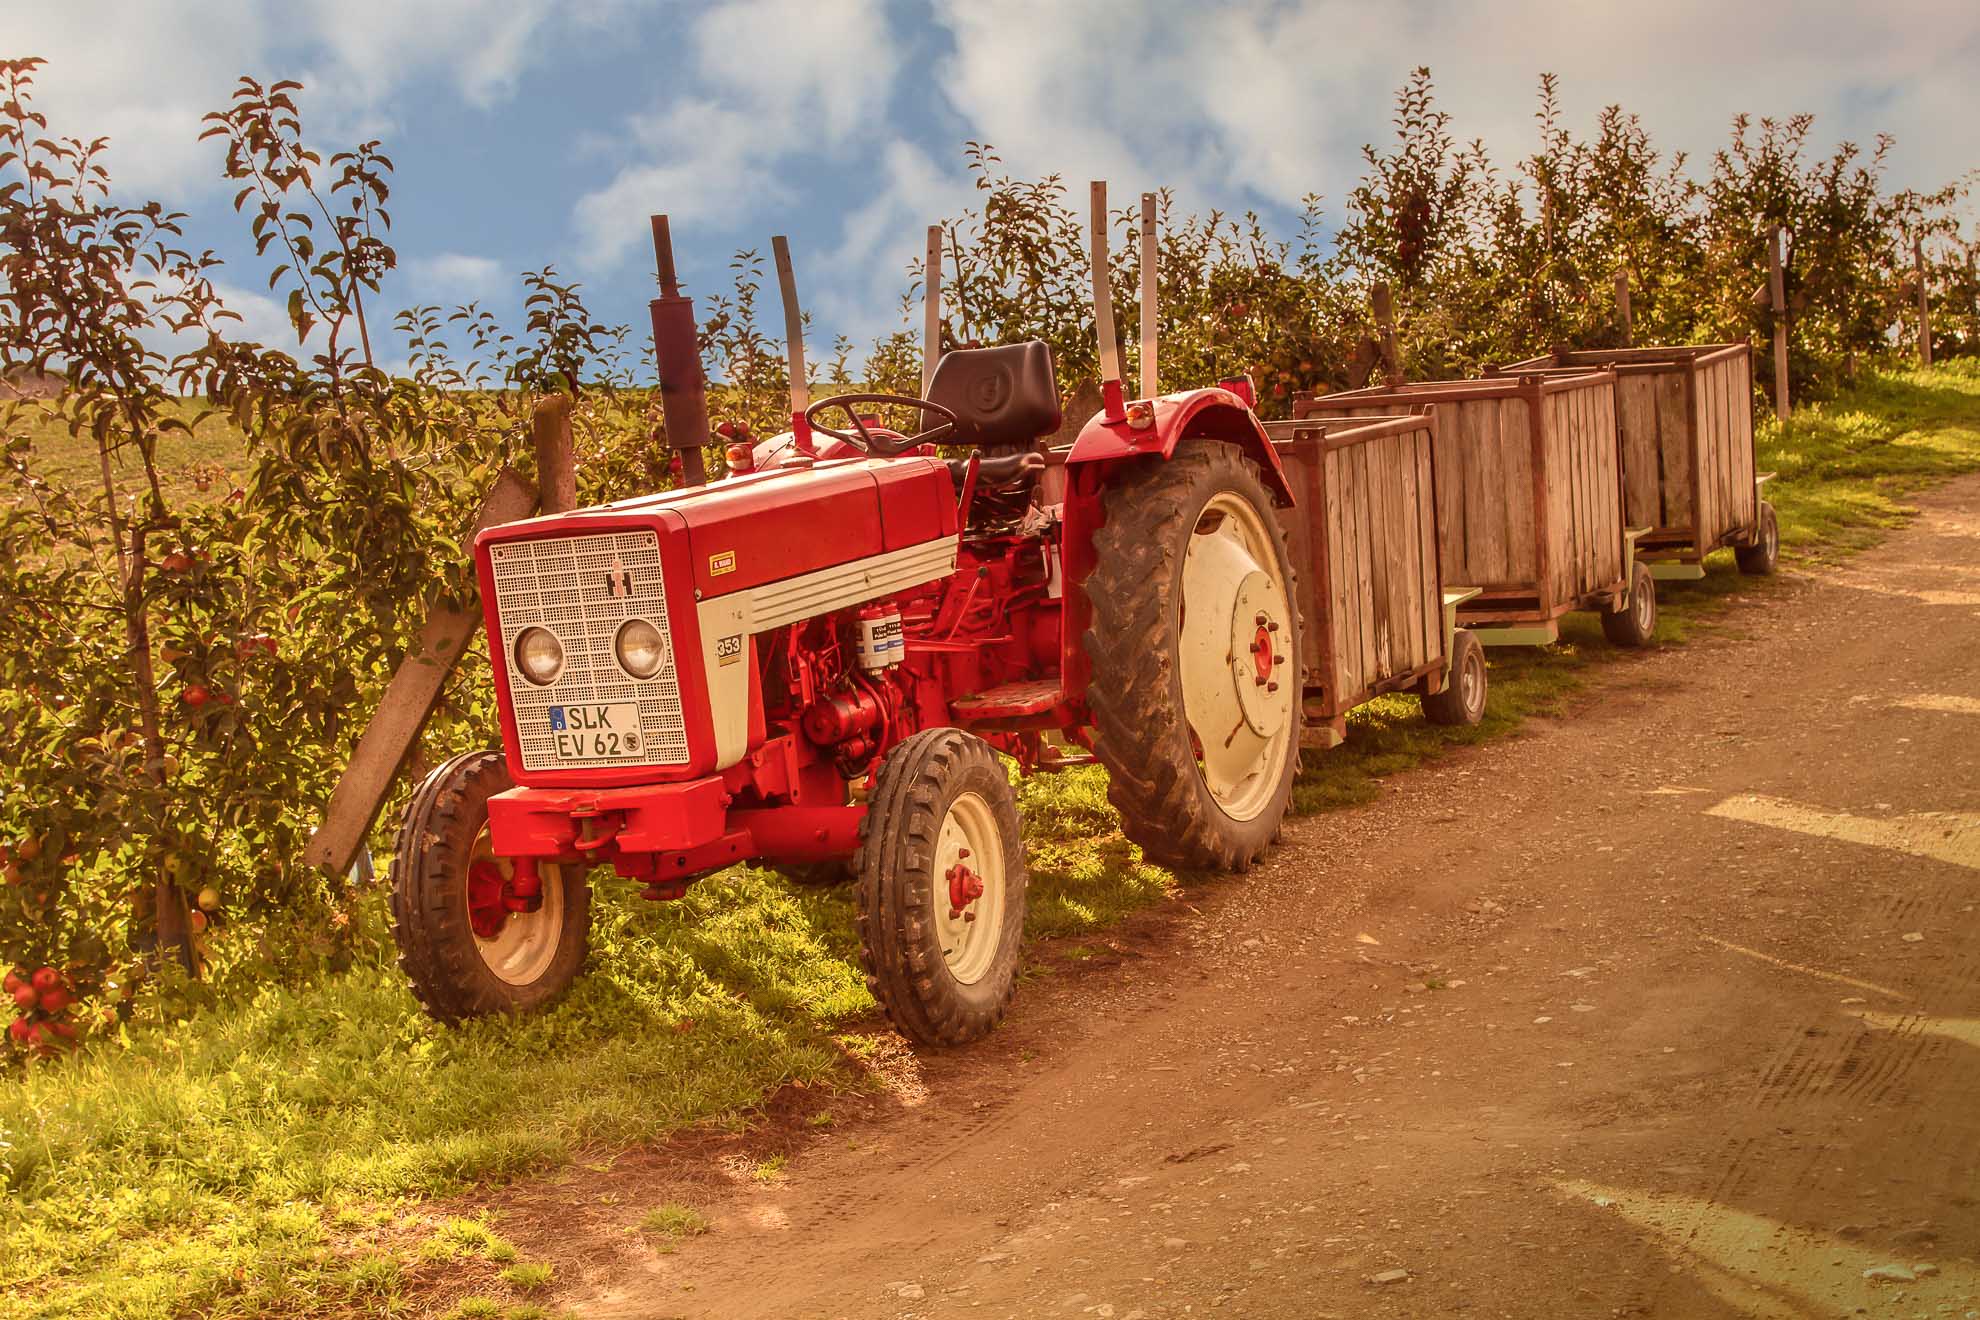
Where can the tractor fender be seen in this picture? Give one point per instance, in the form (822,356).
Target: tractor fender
(1214,414)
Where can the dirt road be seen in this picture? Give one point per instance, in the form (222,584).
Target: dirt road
(1669,1009)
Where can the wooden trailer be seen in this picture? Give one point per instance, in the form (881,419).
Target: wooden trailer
(1363,537)
(1529,501)
(1685,413)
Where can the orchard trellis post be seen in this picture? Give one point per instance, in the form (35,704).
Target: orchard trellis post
(1777,296)
(1622,308)
(1924,299)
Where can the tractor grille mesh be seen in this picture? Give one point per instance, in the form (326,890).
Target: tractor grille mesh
(566,585)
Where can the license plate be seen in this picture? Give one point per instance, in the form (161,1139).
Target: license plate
(604,732)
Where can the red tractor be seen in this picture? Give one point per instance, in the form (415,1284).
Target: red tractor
(818,665)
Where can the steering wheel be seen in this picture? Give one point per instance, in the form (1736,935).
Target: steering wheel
(871,443)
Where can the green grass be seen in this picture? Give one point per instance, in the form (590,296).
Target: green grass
(192,466)
(272,1156)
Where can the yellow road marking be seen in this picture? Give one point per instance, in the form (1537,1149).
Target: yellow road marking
(1837,977)
(1964,1030)
(1941,836)
(1763,1267)
(1948,705)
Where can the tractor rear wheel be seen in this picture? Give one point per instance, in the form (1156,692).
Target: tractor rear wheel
(1195,691)
(1634,622)
(1760,558)
(1462,701)
(466,950)
(940,893)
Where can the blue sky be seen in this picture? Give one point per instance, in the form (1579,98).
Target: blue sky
(529,132)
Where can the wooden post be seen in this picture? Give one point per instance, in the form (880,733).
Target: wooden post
(556,461)
(1383,305)
(408,699)
(1150,378)
(1103,309)
(1622,307)
(1777,293)
(1924,300)
(931,309)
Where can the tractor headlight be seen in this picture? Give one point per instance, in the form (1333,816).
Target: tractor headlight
(640,648)
(539,655)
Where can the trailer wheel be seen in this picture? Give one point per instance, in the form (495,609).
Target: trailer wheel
(1463,699)
(1760,558)
(1195,648)
(465,952)
(1635,622)
(941,885)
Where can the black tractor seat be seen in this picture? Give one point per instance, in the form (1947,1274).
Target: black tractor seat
(1004,397)
(999,473)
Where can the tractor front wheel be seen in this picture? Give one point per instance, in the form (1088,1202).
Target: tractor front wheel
(1195,640)
(940,891)
(469,943)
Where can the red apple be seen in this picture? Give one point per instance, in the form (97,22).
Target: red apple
(54,1001)
(14,981)
(46,978)
(18,1029)
(29,848)
(197,920)
(25,998)
(196,696)
(66,1030)
(176,562)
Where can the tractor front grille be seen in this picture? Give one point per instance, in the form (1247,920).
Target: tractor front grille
(582,588)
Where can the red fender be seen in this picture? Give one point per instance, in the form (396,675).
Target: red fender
(1215,414)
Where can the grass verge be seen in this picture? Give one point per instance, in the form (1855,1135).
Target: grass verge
(272,1156)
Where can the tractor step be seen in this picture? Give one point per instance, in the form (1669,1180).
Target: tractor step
(1011,701)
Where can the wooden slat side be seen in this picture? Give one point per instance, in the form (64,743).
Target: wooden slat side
(1339,593)
(1741,438)
(1447,452)
(1676,446)
(1478,456)
(1365,584)
(1636,418)
(1402,551)
(1609,498)
(1410,550)
(1381,558)
(1708,487)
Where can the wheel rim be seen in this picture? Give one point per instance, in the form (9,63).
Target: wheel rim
(970,867)
(1645,605)
(522,944)
(1471,682)
(1770,536)
(1239,684)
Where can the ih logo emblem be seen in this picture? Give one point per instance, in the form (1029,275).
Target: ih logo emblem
(618,581)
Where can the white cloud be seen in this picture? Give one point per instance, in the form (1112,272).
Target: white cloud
(457,276)
(774,78)
(144,73)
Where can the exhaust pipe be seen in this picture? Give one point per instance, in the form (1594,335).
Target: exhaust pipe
(677,352)
(1150,382)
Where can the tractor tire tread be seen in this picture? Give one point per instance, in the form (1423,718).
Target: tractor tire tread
(1139,732)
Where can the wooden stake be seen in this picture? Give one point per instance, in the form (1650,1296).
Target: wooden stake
(1924,302)
(556,461)
(1622,307)
(931,310)
(1150,378)
(1383,305)
(1777,292)
(409,698)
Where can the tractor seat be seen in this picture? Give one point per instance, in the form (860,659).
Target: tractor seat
(1003,397)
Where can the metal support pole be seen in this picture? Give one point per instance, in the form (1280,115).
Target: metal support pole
(780,250)
(1150,376)
(1103,311)
(931,310)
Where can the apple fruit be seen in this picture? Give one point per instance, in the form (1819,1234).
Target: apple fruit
(209,898)
(196,696)
(29,848)
(46,978)
(25,999)
(54,1001)
(197,921)
(176,562)
(18,1029)
(14,981)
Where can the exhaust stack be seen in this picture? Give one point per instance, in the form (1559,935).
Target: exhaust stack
(1112,404)
(780,248)
(677,353)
